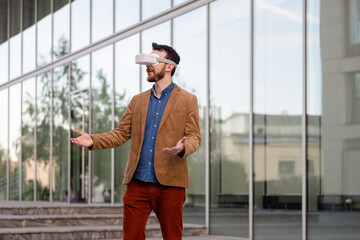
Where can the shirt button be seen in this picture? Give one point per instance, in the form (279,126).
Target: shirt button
(154,125)
(159,101)
(165,94)
(150,150)
(149,163)
(157,113)
(152,138)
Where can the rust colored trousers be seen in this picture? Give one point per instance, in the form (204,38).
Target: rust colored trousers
(167,202)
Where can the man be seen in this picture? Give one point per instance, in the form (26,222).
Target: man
(163,124)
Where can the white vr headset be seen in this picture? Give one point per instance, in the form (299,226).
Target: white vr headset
(151,59)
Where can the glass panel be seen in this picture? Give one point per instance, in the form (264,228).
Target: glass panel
(80,82)
(44,41)
(28,132)
(14,17)
(60,133)
(29,49)
(177,2)
(126,14)
(61,32)
(4,61)
(58,4)
(80,24)
(277,123)
(43,137)
(229,120)
(153,7)
(333,120)
(102,82)
(3,21)
(14,141)
(43,8)
(28,13)
(127,77)
(4,146)
(159,34)
(15,56)
(191,75)
(102,19)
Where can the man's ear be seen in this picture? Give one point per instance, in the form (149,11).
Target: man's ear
(169,67)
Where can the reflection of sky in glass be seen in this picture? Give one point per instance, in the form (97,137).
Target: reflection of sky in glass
(126,71)
(4,62)
(229,65)
(44,41)
(190,43)
(61,28)
(278,57)
(80,24)
(314,81)
(83,64)
(126,14)
(177,2)
(159,34)
(29,49)
(153,7)
(15,56)
(102,19)
(4,119)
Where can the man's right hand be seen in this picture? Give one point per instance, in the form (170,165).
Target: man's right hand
(84,140)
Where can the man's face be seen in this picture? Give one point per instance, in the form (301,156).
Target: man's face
(155,73)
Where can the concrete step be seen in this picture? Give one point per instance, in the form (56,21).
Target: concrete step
(12,221)
(88,232)
(56,209)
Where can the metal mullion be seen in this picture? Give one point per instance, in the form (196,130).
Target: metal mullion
(251,126)
(113,126)
(51,102)
(90,111)
(207,125)
(21,97)
(304,122)
(8,151)
(69,109)
(140,45)
(35,130)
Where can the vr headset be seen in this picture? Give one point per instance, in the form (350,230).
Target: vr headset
(151,59)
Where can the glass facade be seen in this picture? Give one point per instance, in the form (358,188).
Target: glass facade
(268,106)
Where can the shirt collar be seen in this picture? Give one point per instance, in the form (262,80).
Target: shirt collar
(166,91)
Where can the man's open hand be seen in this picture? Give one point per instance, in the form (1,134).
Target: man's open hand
(84,140)
(177,149)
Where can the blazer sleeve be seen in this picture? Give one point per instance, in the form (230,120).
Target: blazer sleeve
(117,136)
(192,128)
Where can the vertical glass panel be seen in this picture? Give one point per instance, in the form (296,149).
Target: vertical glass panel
(43,8)
(29,49)
(80,82)
(14,17)
(4,146)
(3,21)
(159,34)
(28,132)
(102,82)
(4,61)
(191,75)
(43,137)
(277,119)
(126,14)
(60,133)
(15,56)
(80,24)
(153,7)
(333,102)
(127,77)
(28,13)
(58,4)
(102,19)
(61,32)
(44,41)
(229,120)
(177,2)
(14,141)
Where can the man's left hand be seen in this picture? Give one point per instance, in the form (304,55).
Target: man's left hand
(177,149)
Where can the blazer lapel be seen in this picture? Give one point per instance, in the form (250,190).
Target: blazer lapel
(144,109)
(170,104)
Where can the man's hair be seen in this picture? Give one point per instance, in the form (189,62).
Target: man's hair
(171,54)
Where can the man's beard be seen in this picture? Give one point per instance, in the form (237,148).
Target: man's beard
(157,76)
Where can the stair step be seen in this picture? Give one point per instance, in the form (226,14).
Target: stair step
(88,232)
(56,209)
(12,221)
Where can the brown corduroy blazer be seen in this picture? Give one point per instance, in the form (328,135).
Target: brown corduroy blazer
(180,118)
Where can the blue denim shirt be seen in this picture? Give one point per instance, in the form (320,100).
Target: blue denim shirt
(145,169)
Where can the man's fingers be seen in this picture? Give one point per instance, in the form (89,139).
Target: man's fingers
(183,139)
(78,132)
